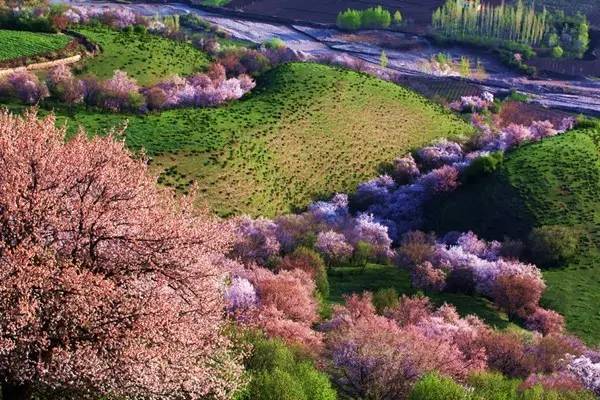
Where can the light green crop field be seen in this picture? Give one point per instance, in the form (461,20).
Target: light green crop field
(145,57)
(15,44)
(306,131)
(554,182)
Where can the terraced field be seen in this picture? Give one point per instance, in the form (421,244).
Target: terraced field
(555,182)
(16,44)
(306,131)
(146,57)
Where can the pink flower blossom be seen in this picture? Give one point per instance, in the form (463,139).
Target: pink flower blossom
(27,87)
(333,246)
(587,371)
(545,321)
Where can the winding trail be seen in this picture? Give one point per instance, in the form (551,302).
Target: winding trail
(581,96)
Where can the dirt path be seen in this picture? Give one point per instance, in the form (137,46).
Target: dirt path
(581,96)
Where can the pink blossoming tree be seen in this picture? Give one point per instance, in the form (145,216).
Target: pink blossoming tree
(108,286)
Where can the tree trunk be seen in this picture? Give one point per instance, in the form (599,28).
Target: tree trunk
(16,391)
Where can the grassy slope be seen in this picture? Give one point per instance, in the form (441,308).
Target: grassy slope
(307,130)
(146,57)
(556,181)
(346,280)
(14,44)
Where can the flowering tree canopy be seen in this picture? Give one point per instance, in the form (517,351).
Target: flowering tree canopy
(107,284)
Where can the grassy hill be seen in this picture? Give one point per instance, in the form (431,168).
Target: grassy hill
(146,57)
(307,130)
(15,44)
(555,182)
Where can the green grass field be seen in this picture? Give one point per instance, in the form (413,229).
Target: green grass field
(347,280)
(15,44)
(146,57)
(306,131)
(554,182)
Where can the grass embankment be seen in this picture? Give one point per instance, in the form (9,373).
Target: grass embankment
(554,182)
(306,131)
(16,44)
(144,56)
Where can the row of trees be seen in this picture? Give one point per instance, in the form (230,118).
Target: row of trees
(458,19)
(512,25)
(122,93)
(371,18)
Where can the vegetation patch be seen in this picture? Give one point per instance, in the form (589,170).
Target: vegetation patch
(301,134)
(551,185)
(17,44)
(147,58)
(346,280)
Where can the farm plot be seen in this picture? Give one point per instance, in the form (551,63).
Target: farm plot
(17,44)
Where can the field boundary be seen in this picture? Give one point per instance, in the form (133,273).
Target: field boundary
(42,65)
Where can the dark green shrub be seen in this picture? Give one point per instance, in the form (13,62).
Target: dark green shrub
(551,245)
(435,387)
(483,166)
(140,29)
(385,298)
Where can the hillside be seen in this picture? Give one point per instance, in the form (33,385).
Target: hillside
(307,130)
(555,182)
(147,58)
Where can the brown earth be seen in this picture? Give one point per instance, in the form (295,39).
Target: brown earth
(417,12)
(525,113)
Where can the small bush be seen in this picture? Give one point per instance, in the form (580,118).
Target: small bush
(375,18)
(483,166)
(349,20)
(583,122)
(397,17)
(277,373)
(363,253)
(371,18)
(274,43)
(494,386)
(557,52)
(551,245)
(435,387)
(385,298)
